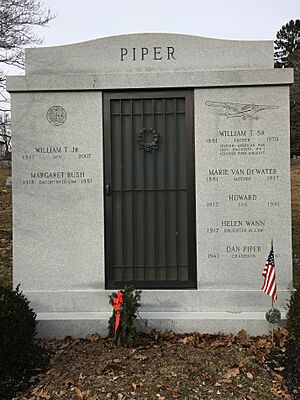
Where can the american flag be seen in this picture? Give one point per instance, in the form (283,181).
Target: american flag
(269,286)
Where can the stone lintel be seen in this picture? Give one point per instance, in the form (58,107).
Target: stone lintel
(147,80)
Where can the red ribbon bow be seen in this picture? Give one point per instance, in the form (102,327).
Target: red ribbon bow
(117,308)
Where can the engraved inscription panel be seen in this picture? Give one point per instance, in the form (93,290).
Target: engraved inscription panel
(58,209)
(243,194)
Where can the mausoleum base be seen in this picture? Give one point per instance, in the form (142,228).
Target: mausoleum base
(181,311)
(81,324)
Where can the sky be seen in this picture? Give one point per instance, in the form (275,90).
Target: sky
(81,20)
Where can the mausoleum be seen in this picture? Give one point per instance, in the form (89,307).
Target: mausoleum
(158,160)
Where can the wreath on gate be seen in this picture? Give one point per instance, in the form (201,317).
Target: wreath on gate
(148,146)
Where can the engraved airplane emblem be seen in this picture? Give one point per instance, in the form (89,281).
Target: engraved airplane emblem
(239,110)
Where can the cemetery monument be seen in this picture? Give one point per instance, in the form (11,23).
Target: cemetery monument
(158,160)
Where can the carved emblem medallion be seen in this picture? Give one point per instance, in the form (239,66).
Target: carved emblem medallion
(56,115)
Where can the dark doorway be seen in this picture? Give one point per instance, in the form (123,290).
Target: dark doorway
(149,189)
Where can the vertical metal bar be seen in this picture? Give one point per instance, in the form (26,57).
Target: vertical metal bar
(176,184)
(122,205)
(132,191)
(154,193)
(144,218)
(108,199)
(190,171)
(166,186)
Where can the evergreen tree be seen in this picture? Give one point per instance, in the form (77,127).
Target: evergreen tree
(287,45)
(287,55)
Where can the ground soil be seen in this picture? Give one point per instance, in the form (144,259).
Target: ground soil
(288,363)
(167,366)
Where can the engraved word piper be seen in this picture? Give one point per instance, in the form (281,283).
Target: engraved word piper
(151,53)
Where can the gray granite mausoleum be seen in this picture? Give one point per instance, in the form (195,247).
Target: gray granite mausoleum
(160,160)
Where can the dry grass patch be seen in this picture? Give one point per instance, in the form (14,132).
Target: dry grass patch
(5,230)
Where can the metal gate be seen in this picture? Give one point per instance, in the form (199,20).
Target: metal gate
(149,189)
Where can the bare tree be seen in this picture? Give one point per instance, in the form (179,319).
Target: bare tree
(18,18)
(5,136)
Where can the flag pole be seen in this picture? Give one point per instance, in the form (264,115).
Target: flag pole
(269,287)
(272,324)
(272,296)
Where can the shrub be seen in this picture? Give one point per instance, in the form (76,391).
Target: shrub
(18,328)
(126,303)
(293,316)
